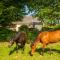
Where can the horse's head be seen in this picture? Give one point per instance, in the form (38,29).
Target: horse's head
(11,42)
(33,46)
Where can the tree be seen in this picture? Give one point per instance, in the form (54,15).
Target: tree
(10,11)
(14,10)
(46,9)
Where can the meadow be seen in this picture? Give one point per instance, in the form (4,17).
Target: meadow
(4,52)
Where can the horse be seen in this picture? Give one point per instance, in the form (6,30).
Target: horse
(45,38)
(19,39)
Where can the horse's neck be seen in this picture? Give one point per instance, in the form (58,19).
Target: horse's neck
(37,40)
(16,37)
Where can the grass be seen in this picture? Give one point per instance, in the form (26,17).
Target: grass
(4,52)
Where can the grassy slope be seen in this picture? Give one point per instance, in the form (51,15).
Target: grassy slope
(4,51)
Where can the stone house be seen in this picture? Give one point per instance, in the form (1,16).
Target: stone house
(27,20)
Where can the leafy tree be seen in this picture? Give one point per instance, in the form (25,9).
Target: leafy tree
(10,11)
(13,10)
(46,9)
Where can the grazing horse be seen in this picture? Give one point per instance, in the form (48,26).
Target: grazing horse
(19,39)
(45,38)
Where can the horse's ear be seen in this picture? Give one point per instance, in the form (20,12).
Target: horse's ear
(31,43)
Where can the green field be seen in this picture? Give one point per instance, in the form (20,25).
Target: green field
(4,52)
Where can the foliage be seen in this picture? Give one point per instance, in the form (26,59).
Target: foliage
(13,10)
(46,9)
(24,28)
(6,34)
(46,29)
(9,11)
(51,28)
(32,34)
(10,14)
(57,27)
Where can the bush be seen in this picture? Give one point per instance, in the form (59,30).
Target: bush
(32,34)
(6,34)
(56,27)
(46,28)
(23,28)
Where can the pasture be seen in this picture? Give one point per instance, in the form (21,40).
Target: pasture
(4,52)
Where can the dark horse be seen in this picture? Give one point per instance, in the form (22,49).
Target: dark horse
(19,39)
(45,38)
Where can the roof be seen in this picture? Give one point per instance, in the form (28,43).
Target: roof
(27,20)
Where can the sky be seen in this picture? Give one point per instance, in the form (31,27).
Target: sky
(29,14)
(27,11)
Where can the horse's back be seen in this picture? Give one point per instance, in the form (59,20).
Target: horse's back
(57,32)
(49,36)
(54,36)
(22,37)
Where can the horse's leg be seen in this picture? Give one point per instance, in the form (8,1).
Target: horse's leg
(23,47)
(50,51)
(17,47)
(43,48)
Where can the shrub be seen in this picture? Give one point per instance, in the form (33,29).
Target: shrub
(23,28)
(57,27)
(32,34)
(46,28)
(6,34)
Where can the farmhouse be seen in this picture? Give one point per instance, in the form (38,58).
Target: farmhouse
(27,20)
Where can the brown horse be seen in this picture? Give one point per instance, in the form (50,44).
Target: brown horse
(19,39)
(45,38)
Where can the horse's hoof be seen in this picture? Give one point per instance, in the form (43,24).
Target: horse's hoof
(22,52)
(31,54)
(51,53)
(16,51)
(41,54)
(9,46)
(9,53)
